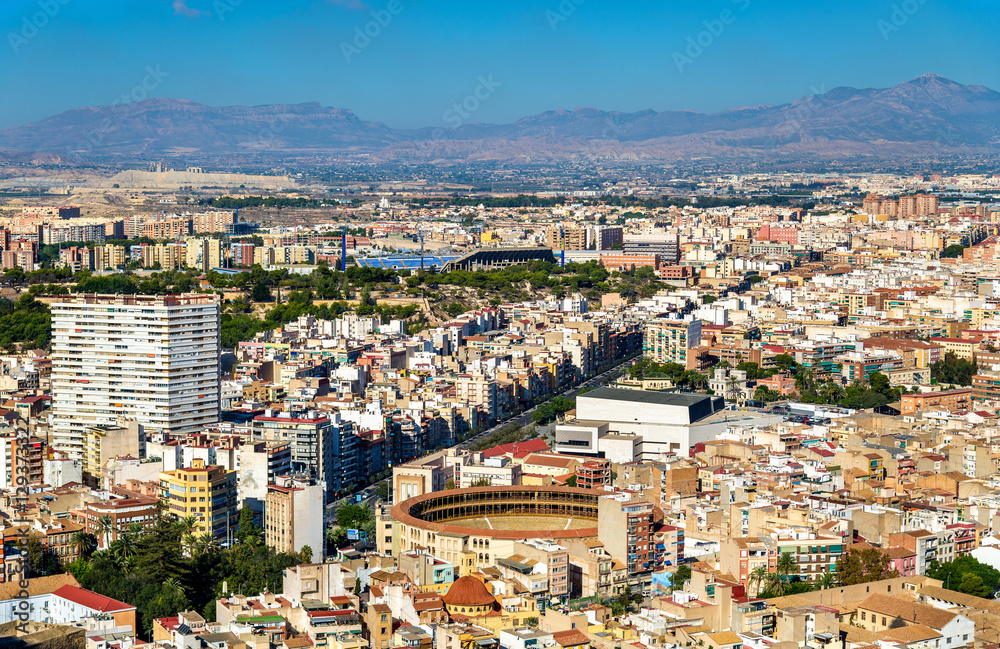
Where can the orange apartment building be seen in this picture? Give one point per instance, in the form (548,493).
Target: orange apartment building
(951,400)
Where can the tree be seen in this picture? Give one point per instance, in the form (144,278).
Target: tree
(826,580)
(205,543)
(972,584)
(354,516)
(335,537)
(106,525)
(571,481)
(123,550)
(952,251)
(776,586)
(953,575)
(248,530)
(859,566)
(733,391)
(880,383)
(41,560)
(84,543)
(952,369)
(696,380)
(261,293)
(481,482)
(757,578)
(785,362)
(787,566)
(682,574)
(766,394)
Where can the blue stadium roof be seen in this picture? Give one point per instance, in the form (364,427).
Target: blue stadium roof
(404,263)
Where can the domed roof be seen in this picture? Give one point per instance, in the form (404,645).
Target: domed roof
(468,591)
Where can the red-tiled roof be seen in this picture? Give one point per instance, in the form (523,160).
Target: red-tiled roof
(529,446)
(92,600)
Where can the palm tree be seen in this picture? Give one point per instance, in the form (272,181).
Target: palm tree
(188,542)
(205,543)
(787,566)
(775,584)
(827,580)
(84,543)
(106,525)
(758,577)
(734,392)
(186,527)
(804,380)
(124,550)
(174,585)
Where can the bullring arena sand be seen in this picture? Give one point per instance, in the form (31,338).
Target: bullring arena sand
(524,523)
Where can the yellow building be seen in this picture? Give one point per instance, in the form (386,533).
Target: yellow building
(203,254)
(205,493)
(109,256)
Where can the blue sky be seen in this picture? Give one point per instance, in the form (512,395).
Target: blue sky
(707,56)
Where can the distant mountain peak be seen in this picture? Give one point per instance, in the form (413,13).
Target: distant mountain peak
(907,119)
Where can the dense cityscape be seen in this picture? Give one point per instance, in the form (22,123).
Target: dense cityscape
(714,364)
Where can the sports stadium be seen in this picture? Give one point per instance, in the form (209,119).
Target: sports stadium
(487,520)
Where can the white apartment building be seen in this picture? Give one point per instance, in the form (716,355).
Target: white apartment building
(150,358)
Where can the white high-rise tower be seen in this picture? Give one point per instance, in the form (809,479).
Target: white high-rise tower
(155,359)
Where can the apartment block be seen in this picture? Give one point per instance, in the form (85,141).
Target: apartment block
(293,518)
(207,493)
(154,360)
(626,530)
(668,341)
(203,254)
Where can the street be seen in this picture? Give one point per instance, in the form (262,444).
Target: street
(524,418)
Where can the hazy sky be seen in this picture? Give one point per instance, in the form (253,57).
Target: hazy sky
(521,56)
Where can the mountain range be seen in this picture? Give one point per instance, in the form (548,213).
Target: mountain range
(929,116)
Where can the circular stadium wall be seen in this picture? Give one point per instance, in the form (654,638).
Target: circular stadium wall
(474,526)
